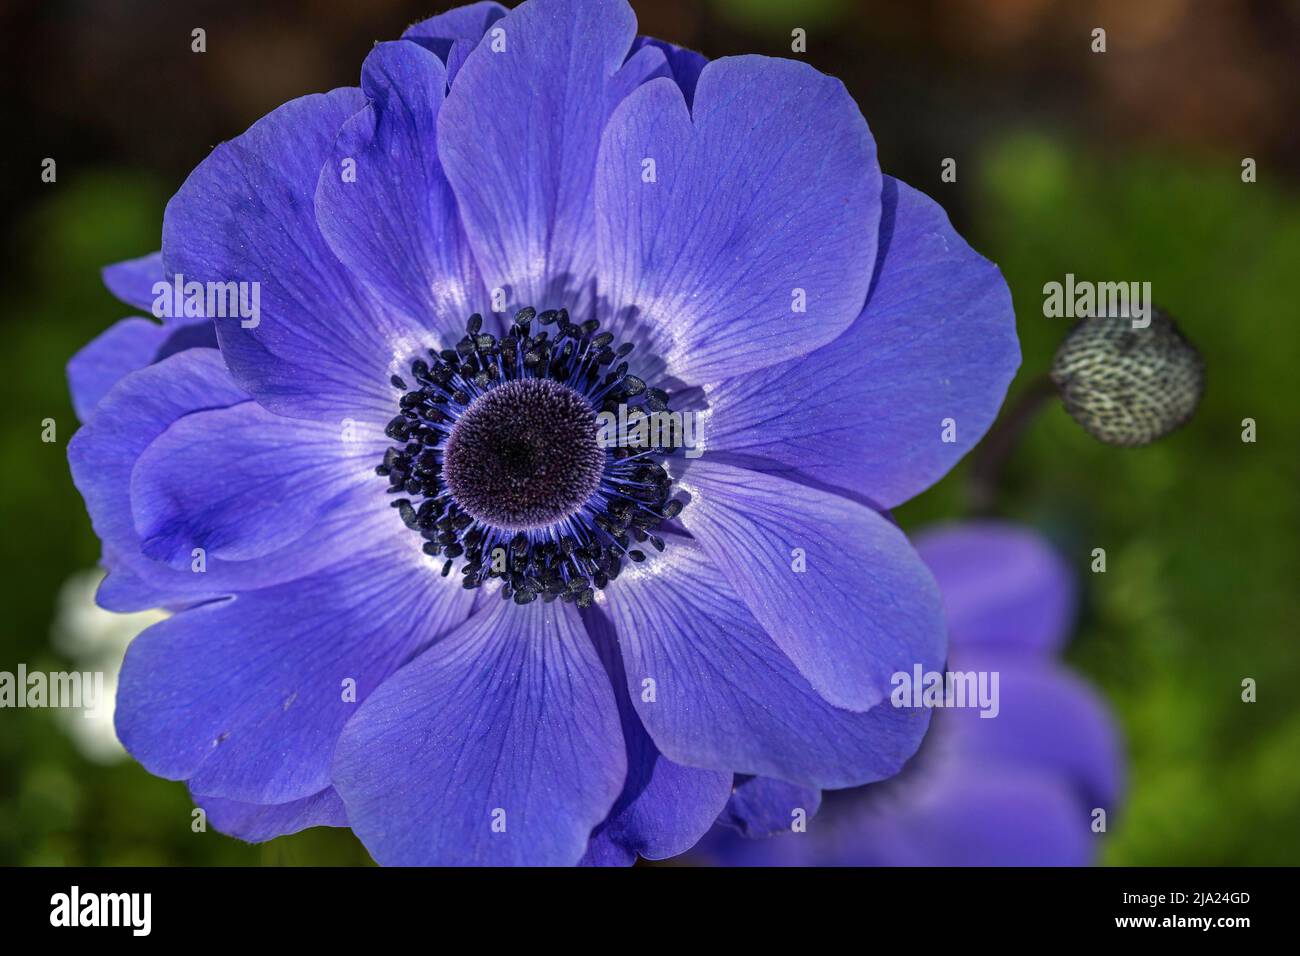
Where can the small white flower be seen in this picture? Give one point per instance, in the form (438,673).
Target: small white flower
(94,640)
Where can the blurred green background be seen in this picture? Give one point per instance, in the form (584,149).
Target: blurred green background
(1117,166)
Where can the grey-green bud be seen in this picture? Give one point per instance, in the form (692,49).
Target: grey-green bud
(1129,386)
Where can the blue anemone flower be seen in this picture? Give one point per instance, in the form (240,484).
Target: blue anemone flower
(414,596)
(1021,788)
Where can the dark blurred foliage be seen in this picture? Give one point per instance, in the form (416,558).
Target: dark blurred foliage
(115,81)
(1123,165)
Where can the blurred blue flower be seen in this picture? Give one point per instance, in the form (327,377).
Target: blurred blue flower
(1019,789)
(518,221)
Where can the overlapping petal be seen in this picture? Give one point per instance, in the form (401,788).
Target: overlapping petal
(685,65)
(440,33)
(836,586)
(321,345)
(242,483)
(741,232)
(887,408)
(761,806)
(256,822)
(104,455)
(499,745)
(124,347)
(384,205)
(518,138)
(714,690)
(665,807)
(133,280)
(245,697)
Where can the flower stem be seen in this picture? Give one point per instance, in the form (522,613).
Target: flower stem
(991,454)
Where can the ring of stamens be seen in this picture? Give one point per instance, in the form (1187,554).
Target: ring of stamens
(497,461)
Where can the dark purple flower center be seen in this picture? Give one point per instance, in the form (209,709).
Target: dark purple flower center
(501,461)
(524,455)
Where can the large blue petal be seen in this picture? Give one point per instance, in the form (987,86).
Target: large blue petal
(1016,788)
(499,745)
(323,347)
(104,454)
(384,205)
(715,691)
(862,608)
(866,413)
(257,823)
(665,807)
(246,697)
(753,241)
(242,483)
(518,138)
